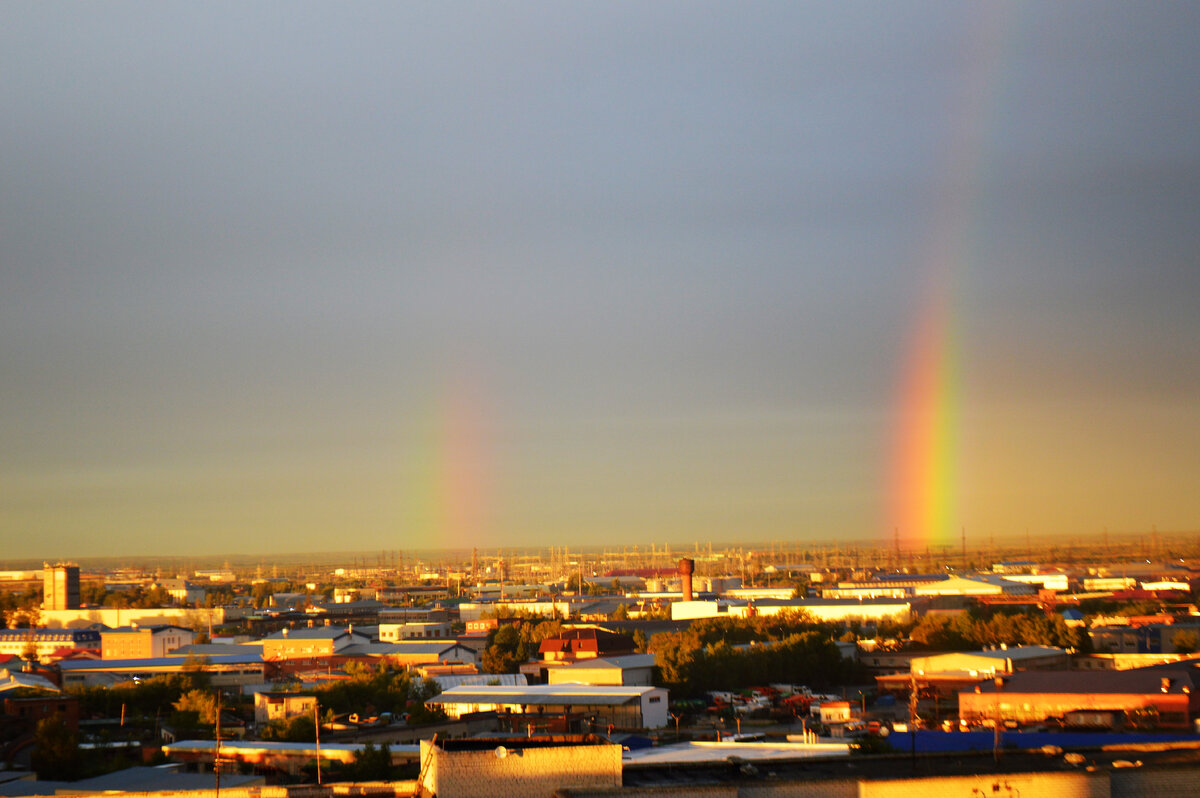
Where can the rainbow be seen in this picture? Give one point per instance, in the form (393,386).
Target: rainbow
(925,473)
(448,486)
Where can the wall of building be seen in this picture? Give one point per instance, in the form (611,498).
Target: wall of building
(522,772)
(60,586)
(112,617)
(689,610)
(641,677)
(269,707)
(1012,785)
(298,648)
(1172,708)
(46,642)
(393,632)
(144,643)
(33,709)
(900,611)
(1122,783)
(654,709)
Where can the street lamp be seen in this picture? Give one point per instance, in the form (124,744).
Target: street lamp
(999,681)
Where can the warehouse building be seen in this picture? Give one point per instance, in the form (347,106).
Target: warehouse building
(555,706)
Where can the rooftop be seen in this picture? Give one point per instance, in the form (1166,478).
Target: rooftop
(1139,681)
(545,694)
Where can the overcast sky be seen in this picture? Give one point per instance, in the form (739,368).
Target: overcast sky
(314,276)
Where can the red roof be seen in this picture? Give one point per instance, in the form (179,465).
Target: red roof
(596,641)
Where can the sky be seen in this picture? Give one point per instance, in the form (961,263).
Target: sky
(282,277)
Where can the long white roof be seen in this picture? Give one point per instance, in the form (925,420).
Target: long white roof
(569,693)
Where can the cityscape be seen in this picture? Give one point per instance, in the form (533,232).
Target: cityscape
(582,400)
(834,668)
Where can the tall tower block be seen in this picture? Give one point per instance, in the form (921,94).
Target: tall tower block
(60,586)
(686,568)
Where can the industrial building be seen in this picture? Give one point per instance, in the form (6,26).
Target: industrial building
(223,670)
(1146,698)
(947,674)
(558,705)
(840,610)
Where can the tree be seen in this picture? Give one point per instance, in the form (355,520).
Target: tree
(262,594)
(300,729)
(200,702)
(56,752)
(1185,641)
(371,764)
(498,660)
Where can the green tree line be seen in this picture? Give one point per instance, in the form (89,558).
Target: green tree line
(974,630)
(734,653)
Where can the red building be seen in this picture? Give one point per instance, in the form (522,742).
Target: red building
(575,644)
(35,708)
(1141,698)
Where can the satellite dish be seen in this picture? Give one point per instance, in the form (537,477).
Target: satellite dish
(501,752)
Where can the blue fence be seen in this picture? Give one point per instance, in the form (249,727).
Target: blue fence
(935,741)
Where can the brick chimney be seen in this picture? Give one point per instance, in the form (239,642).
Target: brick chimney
(686,568)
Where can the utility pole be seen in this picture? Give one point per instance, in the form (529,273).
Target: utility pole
(317,726)
(999,681)
(217,749)
(912,716)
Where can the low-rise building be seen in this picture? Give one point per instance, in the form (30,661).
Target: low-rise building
(417,652)
(31,709)
(522,766)
(362,611)
(117,617)
(631,669)
(182,591)
(916,585)
(314,645)
(561,705)
(143,642)
(1142,698)
(1159,635)
(837,610)
(271,706)
(839,712)
(46,642)
(585,643)
(223,670)
(392,632)
(947,674)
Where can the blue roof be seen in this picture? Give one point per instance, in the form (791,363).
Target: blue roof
(156,662)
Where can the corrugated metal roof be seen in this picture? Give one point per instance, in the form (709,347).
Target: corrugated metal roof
(1139,681)
(544,694)
(155,662)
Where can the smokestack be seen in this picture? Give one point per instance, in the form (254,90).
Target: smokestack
(686,567)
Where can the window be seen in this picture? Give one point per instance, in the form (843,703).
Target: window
(654,699)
